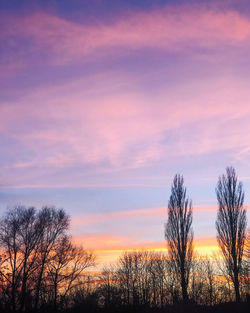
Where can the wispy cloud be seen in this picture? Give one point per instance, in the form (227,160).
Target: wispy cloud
(128,214)
(117,120)
(172,28)
(68,126)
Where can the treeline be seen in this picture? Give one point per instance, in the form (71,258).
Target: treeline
(42,270)
(143,279)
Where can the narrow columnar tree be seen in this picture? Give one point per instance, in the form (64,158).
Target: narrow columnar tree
(231,224)
(179,233)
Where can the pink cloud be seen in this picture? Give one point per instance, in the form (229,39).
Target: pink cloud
(155,212)
(171,28)
(150,213)
(104,127)
(101,241)
(74,124)
(108,242)
(108,120)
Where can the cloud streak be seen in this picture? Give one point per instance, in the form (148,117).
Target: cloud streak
(169,28)
(117,120)
(117,130)
(130,214)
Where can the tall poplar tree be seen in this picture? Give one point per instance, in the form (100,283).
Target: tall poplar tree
(231,224)
(179,233)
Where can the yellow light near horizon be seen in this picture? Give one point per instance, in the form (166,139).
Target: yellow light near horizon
(205,247)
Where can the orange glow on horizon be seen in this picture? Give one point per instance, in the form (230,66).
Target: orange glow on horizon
(114,247)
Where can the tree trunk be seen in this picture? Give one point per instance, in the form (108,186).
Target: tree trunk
(184,287)
(236,286)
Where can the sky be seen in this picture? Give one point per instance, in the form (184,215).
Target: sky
(103,102)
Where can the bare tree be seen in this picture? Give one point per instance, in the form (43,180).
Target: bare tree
(231,224)
(20,233)
(11,262)
(108,288)
(245,275)
(54,223)
(36,253)
(67,262)
(179,233)
(211,283)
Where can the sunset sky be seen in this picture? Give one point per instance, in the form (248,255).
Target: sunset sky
(103,101)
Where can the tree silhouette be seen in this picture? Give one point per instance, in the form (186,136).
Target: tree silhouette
(179,234)
(42,270)
(54,223)
(36,253)
(231,224)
